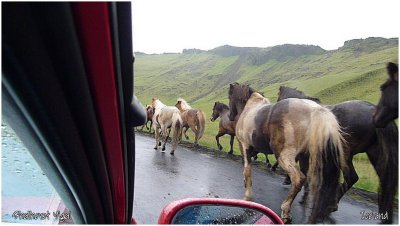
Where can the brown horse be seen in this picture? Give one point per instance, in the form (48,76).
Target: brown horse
(388,106)
(226,126)
(381,146)
(193,118)
(150,113)
(165,119)
(291,128)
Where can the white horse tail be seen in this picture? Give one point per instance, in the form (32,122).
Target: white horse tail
(326,159)
(201,117)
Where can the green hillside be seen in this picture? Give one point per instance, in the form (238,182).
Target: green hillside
(353,71)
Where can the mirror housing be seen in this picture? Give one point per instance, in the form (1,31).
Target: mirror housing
(244,212)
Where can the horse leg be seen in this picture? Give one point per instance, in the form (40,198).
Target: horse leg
(245,150)
(387,193)
(184,132)
(350,178)
(157,136)
(231,143)
(273,168)
(288,163)
(196,134)
(166,135)
(151,124)
(303,161)
(267,161)
(217,138)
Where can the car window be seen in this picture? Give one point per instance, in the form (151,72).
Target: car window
(27,194)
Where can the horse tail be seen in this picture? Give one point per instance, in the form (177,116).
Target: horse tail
(178,126)
(387,169)
(201,117)
(326,159)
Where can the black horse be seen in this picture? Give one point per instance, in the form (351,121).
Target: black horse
(388,106)
(380,144)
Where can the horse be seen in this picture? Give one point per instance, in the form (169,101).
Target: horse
(165,119)
(291,128)
(193,118)
(226,126)
(150,113)
(381,145)
(388,106)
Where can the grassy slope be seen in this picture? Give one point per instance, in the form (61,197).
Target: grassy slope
(202,79)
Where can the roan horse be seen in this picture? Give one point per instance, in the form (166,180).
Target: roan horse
(193,118)
(381,146)
(150,113)
(388,106)
(291,128)
(164,118)
(226,126)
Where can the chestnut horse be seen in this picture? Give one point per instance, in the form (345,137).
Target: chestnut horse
(164,118)
(388,106)
(193,118)
(150,113)
(381,145)
(291,128)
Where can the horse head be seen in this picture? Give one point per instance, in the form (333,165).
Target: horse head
(388,106)
(238,96)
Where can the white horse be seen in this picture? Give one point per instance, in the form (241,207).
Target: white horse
(164,118)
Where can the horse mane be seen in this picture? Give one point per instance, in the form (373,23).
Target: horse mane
(184,104)
(156,103)
(221,106)
(241,91)
(288,92)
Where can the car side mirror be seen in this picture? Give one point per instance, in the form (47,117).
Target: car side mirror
(217,211)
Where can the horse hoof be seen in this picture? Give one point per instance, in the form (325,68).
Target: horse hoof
(155,147)
(231,152)
(163,149)
(332,209)
(286,182)
(247,198)
(287,220)
(273,169)
(172,153)
(268,165)
(159,143)
(187,138)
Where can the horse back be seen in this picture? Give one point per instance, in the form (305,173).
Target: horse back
(355,119)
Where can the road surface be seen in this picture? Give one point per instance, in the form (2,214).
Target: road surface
(161,178)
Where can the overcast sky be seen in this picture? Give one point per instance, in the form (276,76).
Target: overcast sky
(172,25)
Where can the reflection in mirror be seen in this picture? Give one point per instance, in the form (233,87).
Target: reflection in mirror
(219,214)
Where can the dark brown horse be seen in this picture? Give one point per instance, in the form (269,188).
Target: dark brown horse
(381,145)
(226,126)
(291,128)
(388,106)
(150,113)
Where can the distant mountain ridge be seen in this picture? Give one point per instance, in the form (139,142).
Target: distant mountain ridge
(200,76)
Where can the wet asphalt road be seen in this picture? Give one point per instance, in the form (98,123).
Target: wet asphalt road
(161,178)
